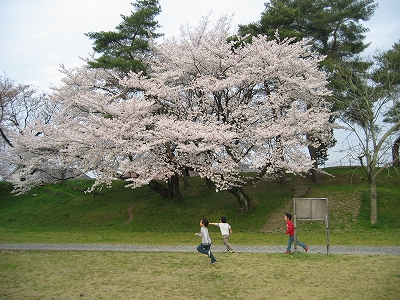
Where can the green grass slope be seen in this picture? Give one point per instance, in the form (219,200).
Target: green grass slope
(65,213)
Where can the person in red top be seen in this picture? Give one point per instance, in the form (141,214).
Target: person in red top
(290,232)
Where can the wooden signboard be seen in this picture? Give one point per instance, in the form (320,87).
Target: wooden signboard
(311,209)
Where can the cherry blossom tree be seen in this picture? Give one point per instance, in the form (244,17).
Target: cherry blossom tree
(269,93)
(206,105)
(109,134)
(20,104)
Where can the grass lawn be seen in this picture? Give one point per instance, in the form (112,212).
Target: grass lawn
(116,275)
(368,238)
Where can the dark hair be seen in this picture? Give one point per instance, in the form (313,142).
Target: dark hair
(205,221)
(289,216)
(223,219)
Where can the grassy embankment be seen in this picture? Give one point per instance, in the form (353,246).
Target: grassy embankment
(65,214)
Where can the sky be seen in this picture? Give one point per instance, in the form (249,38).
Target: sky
(36,36)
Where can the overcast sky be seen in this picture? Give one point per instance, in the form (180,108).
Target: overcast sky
(36,36)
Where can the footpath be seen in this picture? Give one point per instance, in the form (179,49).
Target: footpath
(372,250)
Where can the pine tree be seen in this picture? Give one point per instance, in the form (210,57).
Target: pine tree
(126,48)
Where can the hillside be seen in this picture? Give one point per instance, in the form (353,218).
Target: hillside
(67,207)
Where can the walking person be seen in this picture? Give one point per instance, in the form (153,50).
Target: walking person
(290,232)
(205,246)
(226,230)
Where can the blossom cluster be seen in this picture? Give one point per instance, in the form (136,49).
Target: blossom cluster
(207,104)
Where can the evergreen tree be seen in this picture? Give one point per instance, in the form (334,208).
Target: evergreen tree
(126,48)
(333,26)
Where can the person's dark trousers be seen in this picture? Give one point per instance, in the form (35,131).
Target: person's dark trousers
(205,249)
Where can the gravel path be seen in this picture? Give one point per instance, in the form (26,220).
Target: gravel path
(251,249)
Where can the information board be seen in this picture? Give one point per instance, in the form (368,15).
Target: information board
(311,209)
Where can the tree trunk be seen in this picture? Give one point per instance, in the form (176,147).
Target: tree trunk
(173,182)
(159,189)
(313,155)
(185,172)
(373,199)
(171,188)
(209,183)
(395,153)
(282,179)
(177,190)
(241,196)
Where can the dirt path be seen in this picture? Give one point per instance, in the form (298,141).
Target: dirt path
(130,210)
(371,250)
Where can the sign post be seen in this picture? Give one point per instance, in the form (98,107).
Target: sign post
(311,209)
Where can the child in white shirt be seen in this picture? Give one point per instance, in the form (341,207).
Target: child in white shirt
(225,231)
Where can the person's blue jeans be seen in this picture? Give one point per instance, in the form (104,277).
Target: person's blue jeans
(290,242)
(202,248)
